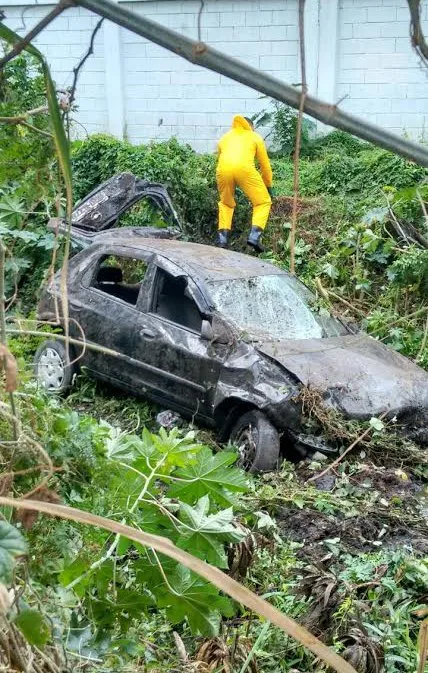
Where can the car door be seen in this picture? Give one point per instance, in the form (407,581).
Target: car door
(170,341)
(106,309)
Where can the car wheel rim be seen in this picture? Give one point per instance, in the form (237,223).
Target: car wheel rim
(246,442)
(50,369)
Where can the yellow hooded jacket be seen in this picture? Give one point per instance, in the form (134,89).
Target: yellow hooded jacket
(237,151)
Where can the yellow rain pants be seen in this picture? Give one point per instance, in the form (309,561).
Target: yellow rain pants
(237,151)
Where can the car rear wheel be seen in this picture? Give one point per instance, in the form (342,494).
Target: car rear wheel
(257,441)
(50,367)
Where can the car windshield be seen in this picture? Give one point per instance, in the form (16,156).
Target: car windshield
(277,305)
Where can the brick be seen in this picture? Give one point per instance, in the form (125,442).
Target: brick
(394,90)
(410,105)
(224,34)
(285,48)
(402,44)
(345,31)
(354,15)
(247,33)
(194,118)
(367,30)
(351,76)
(230,105)
(414,90)
(371,105)
(134,50)
(211,20)
(142,91)
(285,17)
(364,90)
(385,45)
(397,60)
(273,33)
(370,3)
(402,14)
(232,19)
(392,120)
(196,77)
(259,18)
(272,4)
(395,29)
(392,76)
(381,14)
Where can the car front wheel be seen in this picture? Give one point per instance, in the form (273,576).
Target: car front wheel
(50,367)
(257,441)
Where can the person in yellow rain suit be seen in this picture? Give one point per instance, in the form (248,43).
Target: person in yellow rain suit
(237,151)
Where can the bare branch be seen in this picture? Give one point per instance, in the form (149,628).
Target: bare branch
(201,9)
(20,46)
(217,61)
(77,69)
(419,43)
(298,133)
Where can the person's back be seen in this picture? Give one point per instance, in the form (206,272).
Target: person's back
(239,145)
(237,151)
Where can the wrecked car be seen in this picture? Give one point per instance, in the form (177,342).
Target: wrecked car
(221,337)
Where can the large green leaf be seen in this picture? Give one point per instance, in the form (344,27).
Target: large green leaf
(193,599)
(12,545)
(33,626)
(204,534)
(209,475)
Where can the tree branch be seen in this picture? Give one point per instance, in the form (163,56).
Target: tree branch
(298,134)
(419,43)
(77,69)
(20,46)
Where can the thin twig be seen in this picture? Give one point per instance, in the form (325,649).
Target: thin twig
(298,134)
(79,66)
(424,342)
(326,293)
(20,46)
(345,453)
(201,9)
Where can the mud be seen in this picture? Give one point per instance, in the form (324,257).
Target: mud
(367,533)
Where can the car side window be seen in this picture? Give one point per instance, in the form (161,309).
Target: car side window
(120,277)
(171,302)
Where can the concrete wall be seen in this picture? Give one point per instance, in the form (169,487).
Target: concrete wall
(358,50)
(378,71)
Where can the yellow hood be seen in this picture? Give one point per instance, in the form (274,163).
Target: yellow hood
(239,122)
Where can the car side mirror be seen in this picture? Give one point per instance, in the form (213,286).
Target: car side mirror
(207,331)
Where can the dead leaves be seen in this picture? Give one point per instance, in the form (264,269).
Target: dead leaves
(10,369)
(28,517)
(215,656)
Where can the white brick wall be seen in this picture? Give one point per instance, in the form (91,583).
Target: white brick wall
(64,42)
(188,101)
(378,71)
(134,88)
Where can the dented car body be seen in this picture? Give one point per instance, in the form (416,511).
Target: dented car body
(222,337)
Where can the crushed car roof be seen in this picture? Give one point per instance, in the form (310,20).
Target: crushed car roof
(208,262)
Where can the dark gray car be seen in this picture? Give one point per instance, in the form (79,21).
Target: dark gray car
(222,337)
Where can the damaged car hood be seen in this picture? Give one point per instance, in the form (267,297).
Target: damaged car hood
(356,374)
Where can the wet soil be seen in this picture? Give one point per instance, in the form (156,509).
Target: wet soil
(365,532)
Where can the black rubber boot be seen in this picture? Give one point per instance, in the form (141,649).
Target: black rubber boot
(222,237)
(254,239)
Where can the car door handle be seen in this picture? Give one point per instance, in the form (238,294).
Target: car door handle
(147,334)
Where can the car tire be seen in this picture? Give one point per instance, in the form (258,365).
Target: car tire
(258,442)
(50,368)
